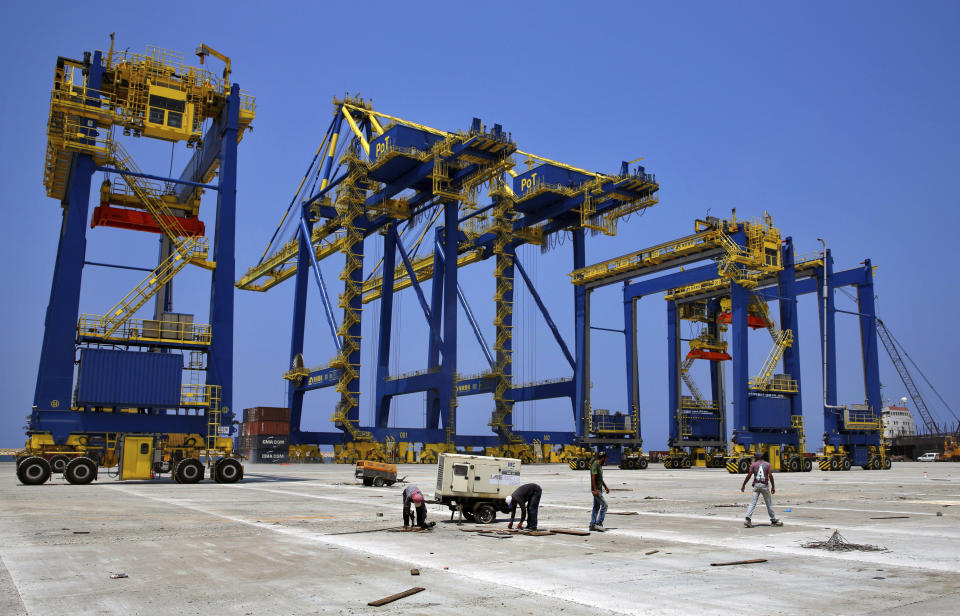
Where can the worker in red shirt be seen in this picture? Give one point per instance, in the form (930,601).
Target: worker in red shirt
(763,485)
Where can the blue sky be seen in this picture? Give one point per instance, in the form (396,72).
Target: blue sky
(837,118)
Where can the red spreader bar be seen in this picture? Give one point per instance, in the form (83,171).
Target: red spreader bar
(752,321)
(711,355)
(137,220)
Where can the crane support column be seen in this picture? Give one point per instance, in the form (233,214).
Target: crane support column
(220,355)
(673,373)
(828,348)
(581,311)
(55,377)
(433,347)
(295,394)
(868,340)
(448,388)
(739,303)
(382,408)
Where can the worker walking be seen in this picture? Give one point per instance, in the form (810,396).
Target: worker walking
(596,486)
(413,496)
(763,485)
(527,498)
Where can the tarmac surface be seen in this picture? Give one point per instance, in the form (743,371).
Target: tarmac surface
(270,545)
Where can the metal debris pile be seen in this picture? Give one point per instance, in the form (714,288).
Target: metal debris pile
(837,543)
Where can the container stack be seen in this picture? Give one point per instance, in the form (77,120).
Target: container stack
(265,434)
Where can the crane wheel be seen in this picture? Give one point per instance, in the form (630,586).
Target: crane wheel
(743,466)
(686,462)
(485,513)
(846,464)
(807,465)
(875,464)
(58,463)
(641,464)
(887,464)
(33,471)
(227,470)
(834,464)
(80,471)
(582,464)
(794,465)
(189,470)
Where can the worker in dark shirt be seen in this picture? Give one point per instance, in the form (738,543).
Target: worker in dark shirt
(412,496)
(527,498)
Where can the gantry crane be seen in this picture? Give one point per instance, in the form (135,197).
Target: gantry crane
(126,405)
(388,175)
(744,254)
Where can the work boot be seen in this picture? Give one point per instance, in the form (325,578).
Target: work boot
(747,523)
(599,528)
(776,523)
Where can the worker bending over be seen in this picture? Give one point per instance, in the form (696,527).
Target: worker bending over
(527,498)
(413,496)
(763,485)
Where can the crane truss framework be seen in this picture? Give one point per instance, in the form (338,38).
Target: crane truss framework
(396,171)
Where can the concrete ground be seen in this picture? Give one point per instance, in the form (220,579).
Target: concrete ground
(270,545)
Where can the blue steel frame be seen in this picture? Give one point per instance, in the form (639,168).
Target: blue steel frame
(440,381)
(52,398)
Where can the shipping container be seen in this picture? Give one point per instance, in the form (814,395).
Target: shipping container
(263,441)
(267,456)
(254,428)
(266,413)
(135,379)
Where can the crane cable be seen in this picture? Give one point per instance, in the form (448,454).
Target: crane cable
(907,355)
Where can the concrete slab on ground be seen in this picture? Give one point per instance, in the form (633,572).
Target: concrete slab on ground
(274,544)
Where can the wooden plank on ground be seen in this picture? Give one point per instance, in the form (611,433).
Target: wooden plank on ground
(570,531)
(399,595)
(368,530)
(739,562)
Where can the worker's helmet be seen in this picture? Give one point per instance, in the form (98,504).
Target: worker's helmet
(417,497)
(509,500)
(758,454)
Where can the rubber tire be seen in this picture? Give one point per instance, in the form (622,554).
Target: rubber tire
(58,463)
(846,464)
(641,464)
(80,471)
(887,464)
(794,465)
(33,471)
(378,482)
(485,513)
(834,464)
(228,470)
(807,465)
(686,462)
(743,466)
(189,470)
(876,464)
(582,464)
(468,516)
